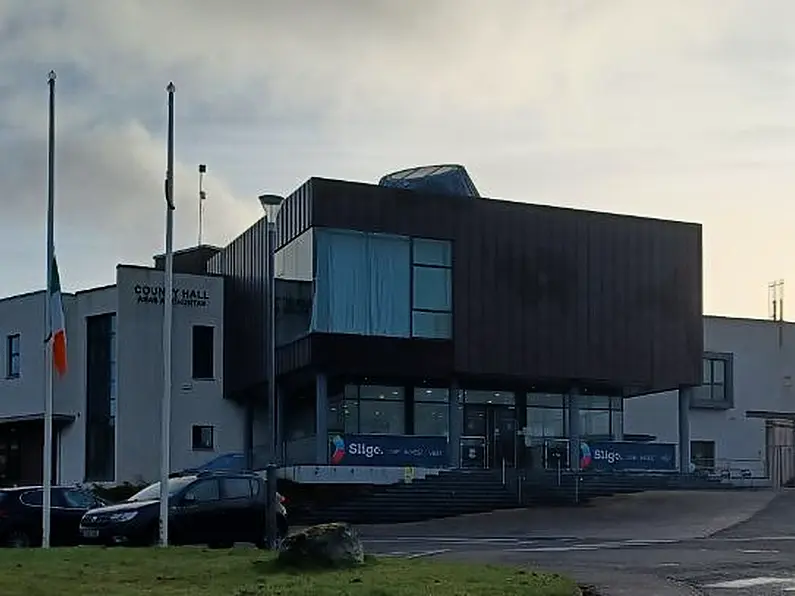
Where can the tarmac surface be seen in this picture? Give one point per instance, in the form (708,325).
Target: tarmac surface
(665,543)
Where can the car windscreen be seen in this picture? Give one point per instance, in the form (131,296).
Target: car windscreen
(152,492)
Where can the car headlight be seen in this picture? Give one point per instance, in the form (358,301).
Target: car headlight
(123,517)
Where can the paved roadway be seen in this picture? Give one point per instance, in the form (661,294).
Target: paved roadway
(713,543)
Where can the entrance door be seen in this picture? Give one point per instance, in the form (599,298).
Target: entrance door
(502,429)
(494,426)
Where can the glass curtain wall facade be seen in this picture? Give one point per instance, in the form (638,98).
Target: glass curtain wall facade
(390,410)
(351,282)
(515,429)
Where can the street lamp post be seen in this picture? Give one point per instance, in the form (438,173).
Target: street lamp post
(270,204)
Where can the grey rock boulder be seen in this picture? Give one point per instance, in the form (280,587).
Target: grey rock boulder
(334,545)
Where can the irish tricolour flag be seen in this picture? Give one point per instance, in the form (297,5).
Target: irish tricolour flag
(57,326)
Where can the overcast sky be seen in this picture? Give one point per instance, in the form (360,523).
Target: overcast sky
(681,109)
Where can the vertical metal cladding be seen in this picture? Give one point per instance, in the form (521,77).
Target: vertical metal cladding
(543,293)
(295,214)
(244,264)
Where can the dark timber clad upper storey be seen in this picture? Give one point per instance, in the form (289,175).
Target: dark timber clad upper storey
(244,264)
(540,293)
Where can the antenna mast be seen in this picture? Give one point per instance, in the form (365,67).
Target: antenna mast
(775,294)
(202,197)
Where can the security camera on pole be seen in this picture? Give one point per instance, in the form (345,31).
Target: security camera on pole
(168,306)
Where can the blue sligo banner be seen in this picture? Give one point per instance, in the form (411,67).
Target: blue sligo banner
(618,456)
(388,450)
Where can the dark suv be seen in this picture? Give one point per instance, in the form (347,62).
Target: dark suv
(217,508)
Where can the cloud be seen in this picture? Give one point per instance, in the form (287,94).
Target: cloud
(675,109)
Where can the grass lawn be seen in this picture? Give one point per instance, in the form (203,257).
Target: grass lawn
(248,572)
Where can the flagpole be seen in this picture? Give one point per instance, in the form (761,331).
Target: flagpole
(168,307)
(48,376)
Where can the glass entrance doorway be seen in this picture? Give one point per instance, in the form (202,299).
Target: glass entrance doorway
(495,427)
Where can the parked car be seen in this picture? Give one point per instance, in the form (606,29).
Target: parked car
(217,508)
(21,515)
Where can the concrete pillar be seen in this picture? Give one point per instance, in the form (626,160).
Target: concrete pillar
(618,427)
(455,416)
(321,419)
(574,429)
(685,396)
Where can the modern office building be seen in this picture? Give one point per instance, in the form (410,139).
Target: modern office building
(741,418)
(419,327)
(417,324)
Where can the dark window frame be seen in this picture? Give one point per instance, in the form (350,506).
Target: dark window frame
(100,448)
(13,356)
(197,444)
(703,397)
(422,400)
(203,362)
(417,264)
(352,394)
(704,463)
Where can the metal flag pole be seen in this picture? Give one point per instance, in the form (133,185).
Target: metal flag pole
(48,376)
(168,307)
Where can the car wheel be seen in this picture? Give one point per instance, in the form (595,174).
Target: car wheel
(18,539)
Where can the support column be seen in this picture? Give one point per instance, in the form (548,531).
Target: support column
(279,438)
(321,419)
(685,395)
(574,429)
(455,417)
(618,429)
(248,434)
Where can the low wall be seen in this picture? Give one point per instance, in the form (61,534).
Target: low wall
(354,474)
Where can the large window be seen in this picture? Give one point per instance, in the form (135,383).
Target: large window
(716,390)
(203,352)
(294,260)
(295,272)
(600,416)
(381,284)
(12,356)
(431,411)
(432,288)
(369,409)
(545,416)
(362,283)
(100,397)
